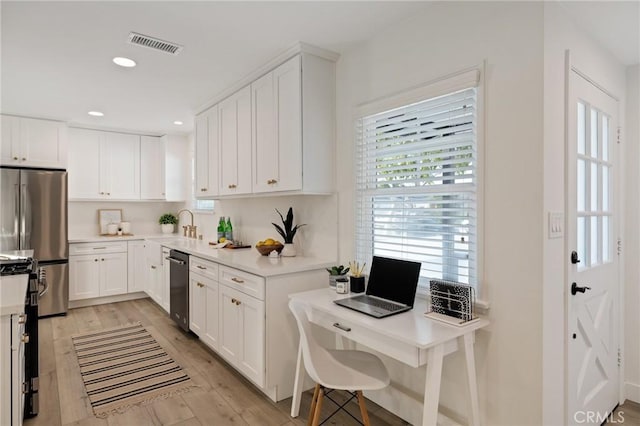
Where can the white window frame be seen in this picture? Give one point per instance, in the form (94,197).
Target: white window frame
(473,76)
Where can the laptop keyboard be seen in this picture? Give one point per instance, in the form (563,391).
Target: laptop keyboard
(377,303)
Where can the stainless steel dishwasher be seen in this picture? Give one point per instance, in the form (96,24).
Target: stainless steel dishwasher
(179,288)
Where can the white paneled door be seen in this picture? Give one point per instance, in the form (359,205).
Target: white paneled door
(593,374)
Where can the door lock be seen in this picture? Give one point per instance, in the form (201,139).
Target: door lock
(574,257)
(575,288)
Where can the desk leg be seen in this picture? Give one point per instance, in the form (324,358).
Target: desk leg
(474,407)
(297,385)
(432,386)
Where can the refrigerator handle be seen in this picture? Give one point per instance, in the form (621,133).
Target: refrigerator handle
(16,220)
(23,222)
(42,280)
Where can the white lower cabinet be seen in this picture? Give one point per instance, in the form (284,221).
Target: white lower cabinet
(137,266)
(242,322)
(166,281)
(203,308)
(245,318)
(101,273)
(12,341)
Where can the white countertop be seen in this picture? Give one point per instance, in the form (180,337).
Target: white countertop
(101,239)
(248,259)
(13,290)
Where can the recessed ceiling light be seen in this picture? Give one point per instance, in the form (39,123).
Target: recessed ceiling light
(124,62)
(96,113)
(178,123)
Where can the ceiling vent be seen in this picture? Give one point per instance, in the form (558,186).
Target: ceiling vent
(154,43)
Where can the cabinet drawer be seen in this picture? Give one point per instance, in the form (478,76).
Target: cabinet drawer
(93,248)
(203,267)
(244,282)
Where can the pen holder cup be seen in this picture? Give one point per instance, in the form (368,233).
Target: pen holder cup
(356,284)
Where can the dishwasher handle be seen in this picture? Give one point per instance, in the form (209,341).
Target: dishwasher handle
(174,260)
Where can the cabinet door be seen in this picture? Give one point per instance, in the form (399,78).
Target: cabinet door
(136,266)
(84,277)
(152,168)
(197,304)
(207,134)
(43,143)
(251,333)
(235,143)
(84,164)
(264,141)
(120,157)
(113,273)
(10,142)
(166,281)
(230,319)
(154,284)
(288,90)
(212,318)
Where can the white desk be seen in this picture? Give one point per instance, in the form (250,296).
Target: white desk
(409,337)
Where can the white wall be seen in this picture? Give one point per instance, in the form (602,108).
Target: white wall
(449,37)
(83,216)
(632,245)
(560,34)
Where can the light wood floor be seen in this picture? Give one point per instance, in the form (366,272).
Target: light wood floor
(224,397)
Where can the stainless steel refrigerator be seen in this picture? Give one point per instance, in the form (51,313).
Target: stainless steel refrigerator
(33,215)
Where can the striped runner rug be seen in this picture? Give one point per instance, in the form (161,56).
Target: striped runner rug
(125,366)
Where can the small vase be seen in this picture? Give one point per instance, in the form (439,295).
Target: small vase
(167,228)
(288,250)
(334,278)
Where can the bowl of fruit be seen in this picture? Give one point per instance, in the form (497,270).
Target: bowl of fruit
(267,246)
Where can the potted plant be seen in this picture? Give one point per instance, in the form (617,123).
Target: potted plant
(336,272)
(167,222)
(287,231)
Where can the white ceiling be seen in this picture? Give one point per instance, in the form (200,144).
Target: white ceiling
(56,56)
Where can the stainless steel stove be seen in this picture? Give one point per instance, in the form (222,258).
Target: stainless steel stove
(16,264)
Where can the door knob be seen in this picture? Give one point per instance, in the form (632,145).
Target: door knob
(575,288)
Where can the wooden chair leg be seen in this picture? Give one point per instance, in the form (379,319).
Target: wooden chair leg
(363,409)
(316,415)
(314,400)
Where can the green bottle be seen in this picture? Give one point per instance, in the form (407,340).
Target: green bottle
(228,230)
(221,228)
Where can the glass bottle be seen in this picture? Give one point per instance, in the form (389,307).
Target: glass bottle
(228,230)
(221,229)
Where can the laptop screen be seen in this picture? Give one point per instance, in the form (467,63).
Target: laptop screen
(394,279)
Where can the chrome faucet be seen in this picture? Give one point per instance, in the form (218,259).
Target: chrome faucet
(189,229)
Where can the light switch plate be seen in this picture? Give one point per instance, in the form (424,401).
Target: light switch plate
(556,225)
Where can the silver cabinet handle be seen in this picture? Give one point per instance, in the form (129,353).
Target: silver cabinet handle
(178,261)
(99,248)
(237,280)
(341,327)
(22,318)
(24,338)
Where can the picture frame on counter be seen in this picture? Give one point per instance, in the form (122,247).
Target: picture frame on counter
(107,216)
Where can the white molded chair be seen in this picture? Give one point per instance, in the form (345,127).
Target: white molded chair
(348,370)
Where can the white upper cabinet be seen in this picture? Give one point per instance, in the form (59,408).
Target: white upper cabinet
(235,143)
(152,168)
(103,165)
(207,134)
(29,142)
(277,129)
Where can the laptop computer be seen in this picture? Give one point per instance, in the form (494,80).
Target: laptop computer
(391,290)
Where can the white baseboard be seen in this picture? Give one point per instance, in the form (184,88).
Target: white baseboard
(108,299)
(632,392)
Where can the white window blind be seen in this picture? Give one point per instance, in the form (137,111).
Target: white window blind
(416,186)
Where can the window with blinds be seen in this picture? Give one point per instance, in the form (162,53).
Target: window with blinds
(416,186)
